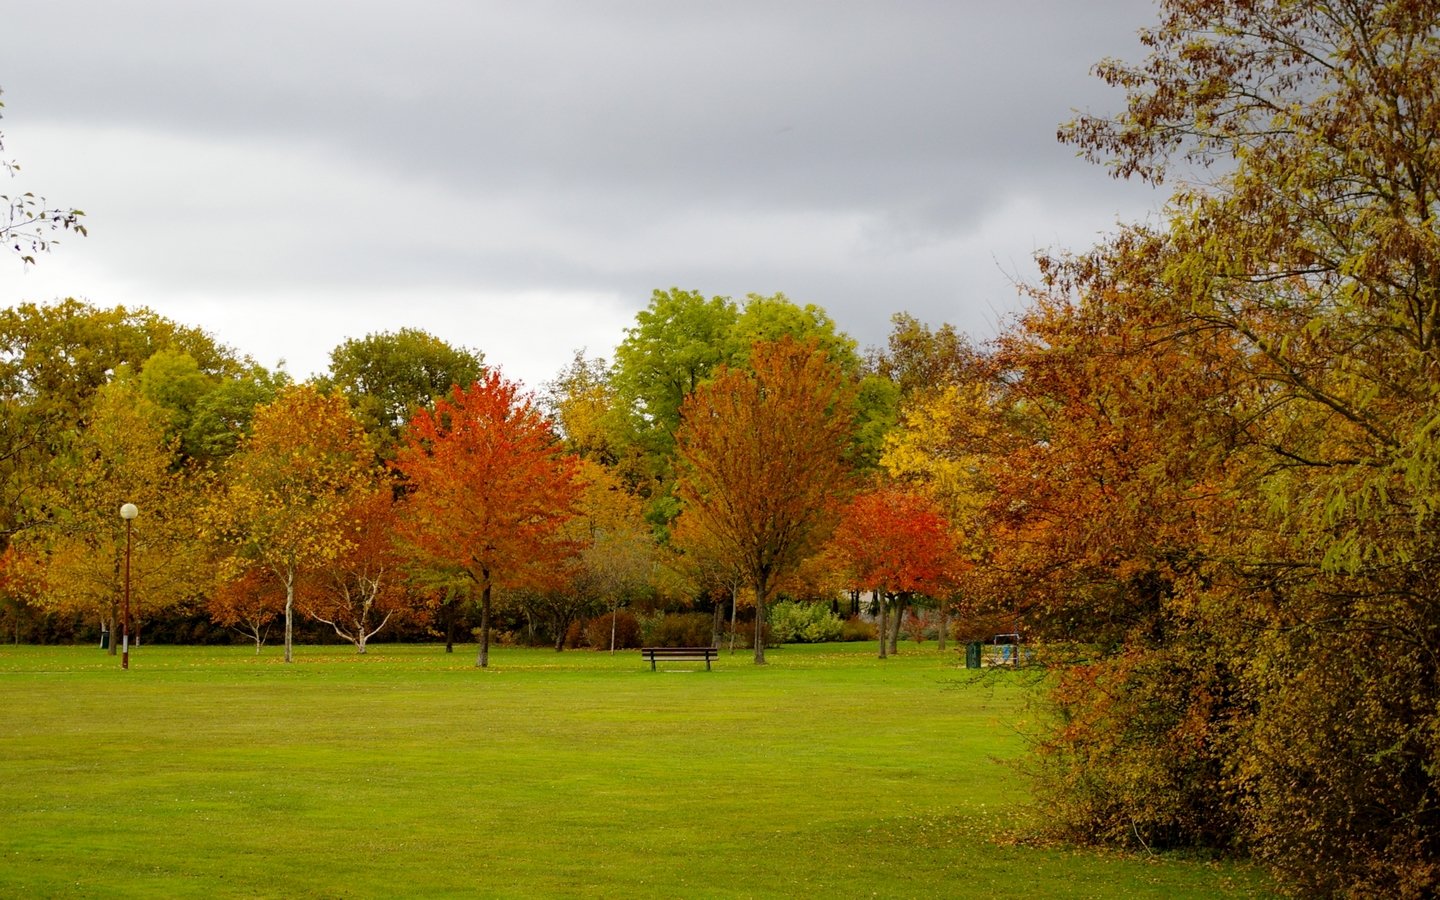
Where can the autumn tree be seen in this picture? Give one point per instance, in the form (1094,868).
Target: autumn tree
(1313,251)
(359,591)
(763,461)
(581,401)
(249,603)
(612,554)
(489,488)
(120,455)
(894,542)
(920,359)
(288,489)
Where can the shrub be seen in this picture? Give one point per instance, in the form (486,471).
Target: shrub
(857,629)
(803,623)
(575,634)
(627,631)
(678,630)
(745,634)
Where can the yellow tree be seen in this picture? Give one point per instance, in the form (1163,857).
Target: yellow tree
(616,548)
(119,455)
(288,489)
(764,464)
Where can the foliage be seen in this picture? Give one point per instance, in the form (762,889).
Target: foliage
(920,360)
(1237,414)
(621,624)
(53,359)
(582,402)
(490,490)
(120,455)
(895,542)
(803,623)
(289,491)
(249,603)
(677,630)
(763,461)
(361,584)
(386,376)
(857,629)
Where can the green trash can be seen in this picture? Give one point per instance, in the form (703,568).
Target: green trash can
(972,655)
(105,640)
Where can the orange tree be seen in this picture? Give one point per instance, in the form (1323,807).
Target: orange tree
(895,542)
(283,505)
(1316,252)
(763,461)
(489,489)
(359,591)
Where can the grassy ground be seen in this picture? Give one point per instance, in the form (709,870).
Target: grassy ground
(211,772)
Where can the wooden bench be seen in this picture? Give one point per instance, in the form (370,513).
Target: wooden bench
(680,653)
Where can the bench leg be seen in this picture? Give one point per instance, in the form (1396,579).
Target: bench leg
(652,662)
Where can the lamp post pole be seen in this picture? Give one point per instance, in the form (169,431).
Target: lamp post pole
(128,512)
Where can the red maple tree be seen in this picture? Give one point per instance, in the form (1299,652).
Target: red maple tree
(489,488)
(895,542)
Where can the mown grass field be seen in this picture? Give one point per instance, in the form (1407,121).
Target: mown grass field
(209,772)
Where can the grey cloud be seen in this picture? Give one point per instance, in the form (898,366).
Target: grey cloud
(833,150)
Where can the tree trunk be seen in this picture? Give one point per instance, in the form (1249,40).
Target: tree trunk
(483,660)
(880,596)
(614,614)
(734,607)
(944,631)
(113,642)
(717,624)
(760,588)
(900,606)
(289,614)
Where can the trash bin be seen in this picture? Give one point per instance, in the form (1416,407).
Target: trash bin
(972,655)
(104,640)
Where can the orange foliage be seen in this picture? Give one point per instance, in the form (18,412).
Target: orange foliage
(763,456)
(490,488)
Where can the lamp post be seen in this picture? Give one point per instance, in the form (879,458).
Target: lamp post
(128,512)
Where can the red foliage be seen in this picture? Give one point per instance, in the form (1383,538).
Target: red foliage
(489,488)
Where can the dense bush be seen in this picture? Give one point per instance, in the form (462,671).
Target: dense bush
(679,630)
(804,623)
(857,629)
(627,631)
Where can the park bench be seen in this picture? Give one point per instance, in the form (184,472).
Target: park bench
(680,653)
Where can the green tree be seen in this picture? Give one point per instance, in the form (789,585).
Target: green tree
(388,375)
(53,358)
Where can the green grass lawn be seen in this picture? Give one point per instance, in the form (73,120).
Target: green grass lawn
(211,772)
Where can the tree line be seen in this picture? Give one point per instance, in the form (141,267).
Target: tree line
(412,482)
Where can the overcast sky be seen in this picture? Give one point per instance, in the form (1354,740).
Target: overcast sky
(518,177)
